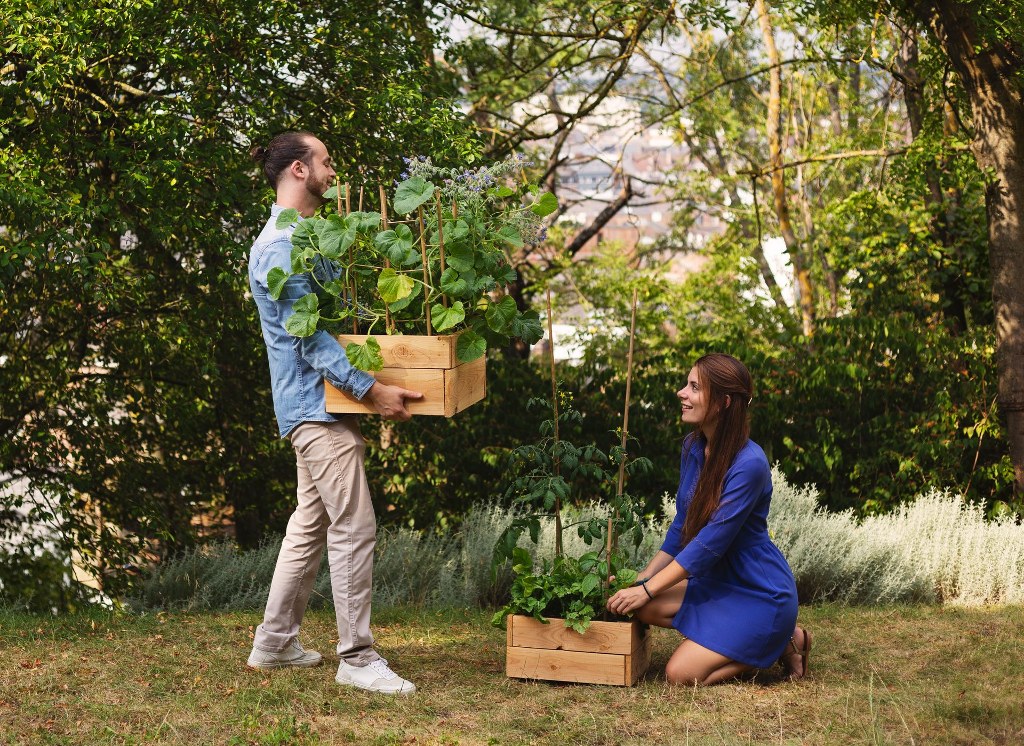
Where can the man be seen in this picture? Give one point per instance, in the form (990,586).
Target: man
(334,505)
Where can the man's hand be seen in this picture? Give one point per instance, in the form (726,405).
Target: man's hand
(389,401)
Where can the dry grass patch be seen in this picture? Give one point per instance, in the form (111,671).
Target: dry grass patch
(883,675)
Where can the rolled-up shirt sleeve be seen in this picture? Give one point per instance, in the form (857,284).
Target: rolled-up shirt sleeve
(744,483)
(322,351)
(327,357)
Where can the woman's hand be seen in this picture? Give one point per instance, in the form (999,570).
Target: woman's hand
(627,600)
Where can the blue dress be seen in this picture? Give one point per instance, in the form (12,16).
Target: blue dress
(740,600)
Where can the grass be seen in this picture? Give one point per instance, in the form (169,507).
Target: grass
(899,674)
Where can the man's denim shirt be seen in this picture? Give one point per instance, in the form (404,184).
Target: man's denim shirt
(298,365)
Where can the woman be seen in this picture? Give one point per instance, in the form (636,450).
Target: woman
(718,578)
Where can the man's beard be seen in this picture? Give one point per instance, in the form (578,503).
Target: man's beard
(316,187)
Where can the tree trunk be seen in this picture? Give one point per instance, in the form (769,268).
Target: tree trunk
(991,77)
(778,176)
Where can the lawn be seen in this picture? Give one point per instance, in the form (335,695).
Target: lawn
(878,675)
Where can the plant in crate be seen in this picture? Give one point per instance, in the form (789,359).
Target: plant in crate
(435,261)
(542,477)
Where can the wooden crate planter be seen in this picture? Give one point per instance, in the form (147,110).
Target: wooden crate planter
(419,363)
(613,653)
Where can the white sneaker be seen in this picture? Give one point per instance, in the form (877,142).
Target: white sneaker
(375,677)
(293,655)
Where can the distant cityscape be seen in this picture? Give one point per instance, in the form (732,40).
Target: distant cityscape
(599,154)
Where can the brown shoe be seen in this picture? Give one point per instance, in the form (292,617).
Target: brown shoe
(804,653)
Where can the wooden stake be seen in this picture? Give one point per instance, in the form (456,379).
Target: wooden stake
(352,287)
(387,263)
(361,187)
(629,382)
(440,238)
(554,413)
(426,273)
(625,433)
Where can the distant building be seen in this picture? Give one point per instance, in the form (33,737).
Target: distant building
(612,146)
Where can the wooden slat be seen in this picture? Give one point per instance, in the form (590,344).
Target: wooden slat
(411,351)
(601,637)
(443,394)
(565,665)
(465,385)
(638,663)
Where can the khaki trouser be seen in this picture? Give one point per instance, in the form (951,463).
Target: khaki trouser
(334,508)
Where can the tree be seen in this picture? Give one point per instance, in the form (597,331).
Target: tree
(982,44)
(135,386)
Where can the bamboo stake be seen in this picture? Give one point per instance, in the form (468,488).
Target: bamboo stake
(554,413)
(361,187)
(355,288)
(387,262)
(440,238)
(426,272)
(625,433)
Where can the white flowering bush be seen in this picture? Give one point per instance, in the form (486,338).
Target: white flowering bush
(935,549)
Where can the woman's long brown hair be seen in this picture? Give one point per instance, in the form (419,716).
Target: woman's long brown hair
(720,376)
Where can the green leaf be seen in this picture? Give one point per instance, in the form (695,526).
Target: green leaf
(452,283)
(402,303)
(544,206)
(499,315)
(527,327)
(335,287)
(589,584)
(505,274)
(286,218)
(276,279)
(306,316)
(365,356)
(459,230)
(460,257)
(412,193)
(443,318)
(336,235)
(366,221)
(511,236)
(393,286)
(302,236)
(470,346)
(398,245)
(332,193)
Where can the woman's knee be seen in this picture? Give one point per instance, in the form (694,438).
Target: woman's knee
(682,674)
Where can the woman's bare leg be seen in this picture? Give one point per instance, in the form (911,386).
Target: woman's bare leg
(662,609)
(692,664)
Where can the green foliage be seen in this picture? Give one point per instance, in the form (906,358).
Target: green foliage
(574,589)
(450,269)
(136,390)
(541,479)
(935,549)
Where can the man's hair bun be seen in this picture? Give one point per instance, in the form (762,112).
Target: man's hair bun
(258,153)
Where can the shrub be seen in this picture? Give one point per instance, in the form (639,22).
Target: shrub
(936,549)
